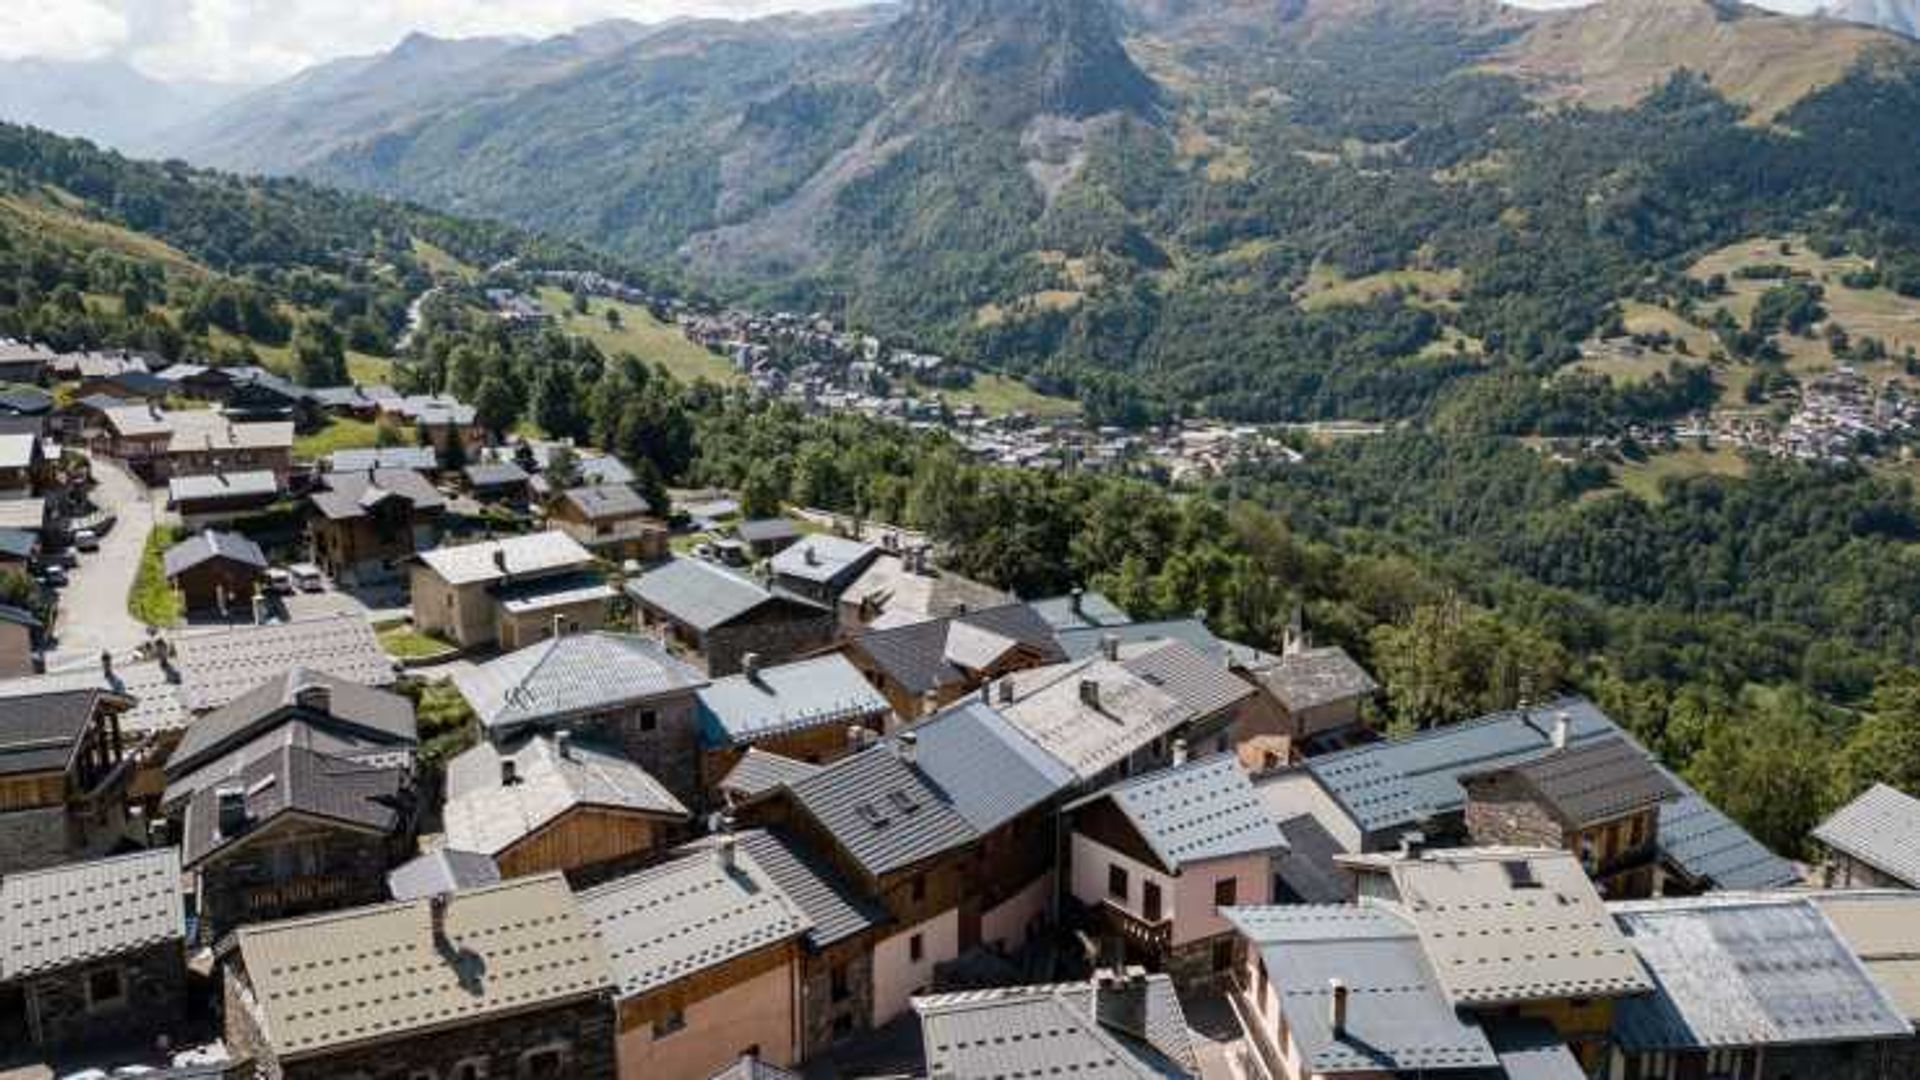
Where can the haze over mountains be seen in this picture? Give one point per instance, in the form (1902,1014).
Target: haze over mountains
(107,101)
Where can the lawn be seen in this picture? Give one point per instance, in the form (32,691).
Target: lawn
(999,395)
(1644,478)
(403,642)
(340,433)
(1327,287)
(640,334)
(152,600)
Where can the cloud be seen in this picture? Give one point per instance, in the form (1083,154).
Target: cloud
(62,29)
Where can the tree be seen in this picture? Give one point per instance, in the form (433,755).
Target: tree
(557,407)
(319,357)
(1885,747)
(1766,764)
(760,495)
(496,406)
(614,322)
(1451,662)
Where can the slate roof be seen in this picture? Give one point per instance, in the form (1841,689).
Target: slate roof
(916,656)
(759,771)
(701,595)
(41,732)
(418,458)
(1398,1018)
(1089,609)
(573,673)
(822,558)
(984,767)
(351,495)
(501,474)
(218,486)
(1594,782)
(379,715)
(1195,812)
(1130,713)
(376,974)
(684,916)
(1067,1029)
(886,815)
(1083,642)
(485,816)
(888,585)
(1882,927)
(299,781)
(767,530)
(1204,686)
(1746,971)
(442,870)
(607,502)
(1314,677)
(216,666)
(1880,828)
(836,910)
(538,553)
(210,545)
(786,698)
(1307,872)
(88,911)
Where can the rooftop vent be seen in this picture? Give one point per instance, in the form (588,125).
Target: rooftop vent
(1337,995)
(1090,693)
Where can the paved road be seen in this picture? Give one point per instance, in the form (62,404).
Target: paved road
(93,606)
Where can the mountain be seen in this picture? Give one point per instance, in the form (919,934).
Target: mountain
(107,101)
(1899,16)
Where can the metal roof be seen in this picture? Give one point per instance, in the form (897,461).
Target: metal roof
(1102,1028)
(442,870)
(386,457)
(210,545)
(917,657)
(88,911)
(750,1067)
(1092,715)
(886,815)
(822,558)
(1191,813)
(374,714)
(216,666)
(295,780)
(1532,1050)
(217,486)
(607,501)
(888,585)
(759,771)
(767,530)
(1204,686)
(786,698)
(205,431)
(1073,612)
(539,553)
(381,973)
(1398,1019)
(1882,927)
(41,732)
(1083,642)
(1747,971)
(1880,828)
(552,593)
(485,815)
(1709,847)
(350,494)
(1307,871)
(983,766)
(1596,781)
(836,910)
(1314,677)
(698,593)
(693,913)
(16,451)
(573,673)
(495,474)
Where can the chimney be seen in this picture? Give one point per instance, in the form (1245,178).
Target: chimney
(1110,646)
(1090,693)
(1562,730)
(563,744)
(750,666)
(1411,844)
(856,738)
(725,850)
(559,626)
(1337,1007)
(500,559)
(812,556)
(232,804)
(1006,691)
(106,667)
(314,696)
(908,746)
(1120,1000)
(1179,752)
(1074,599)
(509,772)
(437,914)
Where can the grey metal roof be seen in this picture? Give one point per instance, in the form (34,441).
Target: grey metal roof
(386,457)
(1082,642)
(983,766)
(823,558)
(786,698)
(1203,685)
(603,469)
(552,593)
(693,913)
(1307,872)
(41,732)
(371,713)
(1088,609)
(218,486)
(1191,813)
(766,530)
(216,666)
(499,474)
(1747,971)
(1702,842)
(1532,1050)
(886,815)
(485,815)
(295,780)
(698,593)
(916,656)
(570,674)
(1111,1030)
(1595,781)
(759,771)
(890,587)
(208,546)
(442,870)
(836,910)
(1314,677)
(492,560)
(1397,1016)
(351,494)
(607,501)
(1092,715)
(81,912)
(1880,828)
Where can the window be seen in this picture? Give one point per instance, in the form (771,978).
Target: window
(106,989)
(670,1023)
(1226,892)
(1223,956)
(544,1063)
(1117,882)
(1150,901)
(919,887)
(649,720)
(840,984)
(842,1026)
(916,949)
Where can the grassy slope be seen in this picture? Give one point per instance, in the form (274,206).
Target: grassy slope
(640,334)
(1644,478)
(50,214)
(152,601)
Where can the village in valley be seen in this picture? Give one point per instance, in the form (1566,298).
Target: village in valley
(454,756)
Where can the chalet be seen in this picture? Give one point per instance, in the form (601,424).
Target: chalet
(549,802)
(24,469)
(292,831)
(1157,857)
(93,952)
(512,591)
(1872,842)
(497,482)
(256,395)
(923,666)
(1080,610)
(1310,701)
(718,617)
(800,710)
(447,425)
(612,521)
(591,470)
(767,537)
(759,772)
(356,402)
(93,365)
(1081,642)
(705,952)
(204,443)
(1600,800)
(129,385)
(210,668)
(24,362)
(366,525)
(905,588)
(20,632)
(507,980)
(63,776)
(198,382)
(202,501)
(138,435)
(216,572)
(616,690)
(1119,1023)
(821,567)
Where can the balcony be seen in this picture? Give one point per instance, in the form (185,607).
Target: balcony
(1149,938)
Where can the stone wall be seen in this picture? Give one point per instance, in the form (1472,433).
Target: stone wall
(670,752)
(1191,965)
(778,636)
(33,839)
(292,868)
(583,1032)
(153,998)
(1500,811)
(825,1020)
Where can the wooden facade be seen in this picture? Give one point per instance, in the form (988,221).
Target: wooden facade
(589,844)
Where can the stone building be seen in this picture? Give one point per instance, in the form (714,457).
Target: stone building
(63,776)
(612,521)
(821,567)
(367,524)
(510,592)
(717,618)
(93,953)
(801,711)
(503,981)
(924,666)
(1310,701)
(1872,842)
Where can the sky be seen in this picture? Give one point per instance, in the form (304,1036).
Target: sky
(255,41)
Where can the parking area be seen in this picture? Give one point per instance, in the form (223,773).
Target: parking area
(93,615)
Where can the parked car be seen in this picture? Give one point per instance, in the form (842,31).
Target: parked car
(308,577)
(54,577)
(279,581)
(86,540)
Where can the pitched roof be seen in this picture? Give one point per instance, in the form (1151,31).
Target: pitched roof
(822,558)
(1194,812)
(1880,828)
(1746,971)
(422,458)
(572,673)
(485,815)
(917,656)
(155,698)
(201,431)
(1596,781)
(538,553)
(1882,927)
(889,585)
(1202,685)
(767,530)
(983,766)
(607,502)
(760,771)
(210,545)
(29,515)
(1081,643)
(1314,677)
(17,450)
(442,870)
(135,421)
(835,909)
(749,1067)
(786,698)
(497,474)
(81,912)
(1398,1018)
(1093,714)
(300,692)
(351,495)
(375,974)
(41,732)
(886,815)
(698,593)
(1080,611)
(217,486)
(216,666)
(1530,1049)
(1307,872)
(295,780)
(687,915)
(1092,1029)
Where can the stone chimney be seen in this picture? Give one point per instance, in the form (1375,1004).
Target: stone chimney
(725,850)
(1110,646)
(559,627)
(1562,730)
(1179,752)
(1075,599)
(856,738)
(812,556)
(1411,844)
(1090,693)
(509,772)
(750,666)
(106,667)
(500,559)
(563,744)
(907,746)
(1006,691)
(1337,1007)
(437,905)
(1120,1001)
